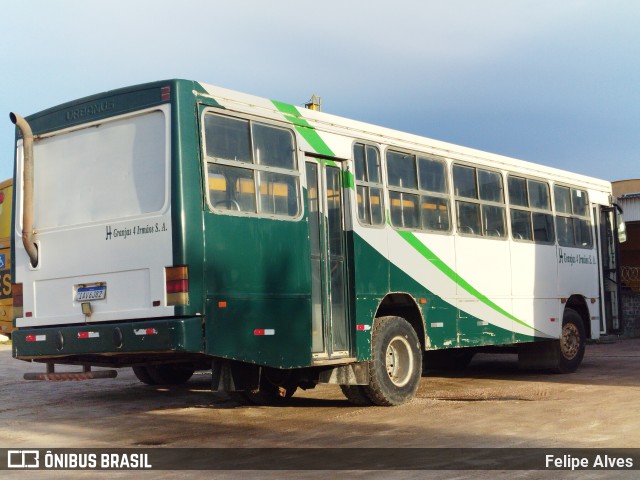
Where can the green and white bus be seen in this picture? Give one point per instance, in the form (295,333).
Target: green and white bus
(177,226)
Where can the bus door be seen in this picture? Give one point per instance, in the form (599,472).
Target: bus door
(610,321)
(325,197)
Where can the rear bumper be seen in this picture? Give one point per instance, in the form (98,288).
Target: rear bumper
(184,335)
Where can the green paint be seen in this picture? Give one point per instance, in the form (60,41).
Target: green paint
(173,335)
(411,239)
(348,180)
(312,137)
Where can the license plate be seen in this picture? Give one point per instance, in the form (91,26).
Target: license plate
(94,292)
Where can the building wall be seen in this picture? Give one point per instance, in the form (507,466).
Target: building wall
(630,314)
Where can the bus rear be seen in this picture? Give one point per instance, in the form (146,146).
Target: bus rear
(6,303)
(95,275)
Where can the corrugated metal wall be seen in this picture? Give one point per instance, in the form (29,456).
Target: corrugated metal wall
(631,208)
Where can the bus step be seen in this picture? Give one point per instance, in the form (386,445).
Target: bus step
(51,376)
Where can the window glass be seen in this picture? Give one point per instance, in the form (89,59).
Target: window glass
(564,227)
(521,225)
(539,195)
(375,200)
(426,207)
(432,175)
(562,197)
(543,227)
(525,224)
(494,224)
(278,194)
(359,161)
(464,181)
(469,218)
(373,165)
(579,200)
(401,170)
(517,191)
(369,197)
(241,178)
(404,209)
(273,146)
(232,188)
(571,204)
(582,232)
(490,186)
(435,213)
(227,138)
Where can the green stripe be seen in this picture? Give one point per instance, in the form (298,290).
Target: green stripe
(412,240)
(292,114)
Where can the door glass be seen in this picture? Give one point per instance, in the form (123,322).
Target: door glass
(317,333)
(336,259)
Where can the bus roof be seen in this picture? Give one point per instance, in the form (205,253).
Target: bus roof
(340,132)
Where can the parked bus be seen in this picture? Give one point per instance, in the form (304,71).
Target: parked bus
(6,303)
(177,226)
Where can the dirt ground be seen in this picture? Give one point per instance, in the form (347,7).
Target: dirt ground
(490,404)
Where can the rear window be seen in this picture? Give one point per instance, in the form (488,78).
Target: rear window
(112,170)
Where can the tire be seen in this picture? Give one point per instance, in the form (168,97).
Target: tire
(572,342)
(563,355)
(267,394)
(356,394)
(170,374)
(143,375)
(395,367)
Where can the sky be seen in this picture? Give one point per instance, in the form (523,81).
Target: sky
(555,82)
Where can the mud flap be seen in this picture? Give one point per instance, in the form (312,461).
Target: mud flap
(230,376)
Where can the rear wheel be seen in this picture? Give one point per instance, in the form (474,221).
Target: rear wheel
(143,375)
(356,394)
(171,374)
(272,391)
(396,362)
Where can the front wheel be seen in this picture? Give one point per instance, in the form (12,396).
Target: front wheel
(572,342)
(395,367)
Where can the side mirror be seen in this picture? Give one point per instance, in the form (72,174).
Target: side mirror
(622,230)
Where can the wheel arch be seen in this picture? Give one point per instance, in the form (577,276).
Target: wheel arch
(578,304)
(404,305)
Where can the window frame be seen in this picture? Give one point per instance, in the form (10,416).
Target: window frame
(420,193)
(480,202)
(255,168)
(532,210)
(573,216)
(369,184)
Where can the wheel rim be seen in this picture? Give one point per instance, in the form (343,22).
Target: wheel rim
(570,341)
(399,361)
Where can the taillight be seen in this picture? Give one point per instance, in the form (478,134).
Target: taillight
(16,293)
(177,285)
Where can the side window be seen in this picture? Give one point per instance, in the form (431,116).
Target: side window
(572,217)
(479,202)
(418,192)
(251,167)
(368,185)
(530,210)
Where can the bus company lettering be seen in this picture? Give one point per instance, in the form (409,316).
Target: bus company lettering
(90,110)
(573,259)
(136,230)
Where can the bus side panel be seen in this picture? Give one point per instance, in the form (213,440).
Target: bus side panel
(369,276)
(258,284)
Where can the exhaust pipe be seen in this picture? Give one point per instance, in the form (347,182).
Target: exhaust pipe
(27,209)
